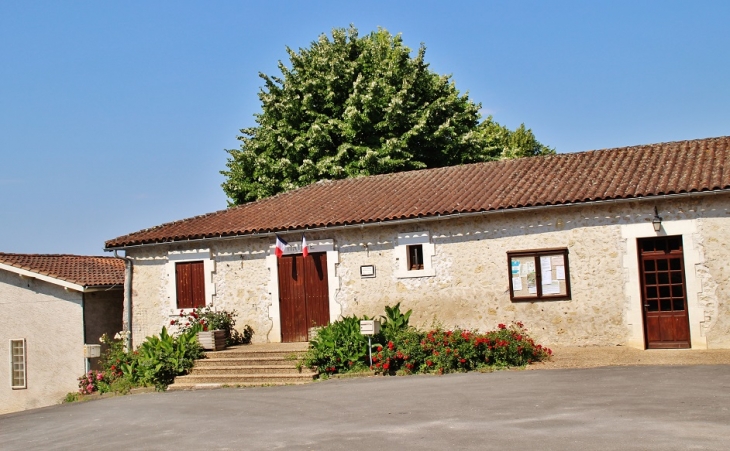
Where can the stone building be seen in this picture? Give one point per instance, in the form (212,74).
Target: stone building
(50,306)
(626,246)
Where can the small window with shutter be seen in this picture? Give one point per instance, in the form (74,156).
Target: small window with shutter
(190,280)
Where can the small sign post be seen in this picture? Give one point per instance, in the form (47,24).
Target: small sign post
(370,327)
(90,352)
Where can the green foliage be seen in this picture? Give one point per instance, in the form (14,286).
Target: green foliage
(203,319)
(164,357)
(445,351)
(338,347)
(71,397)
(351,106)
(157,361)
(394,321)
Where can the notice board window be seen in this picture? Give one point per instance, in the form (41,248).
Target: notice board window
(540,274)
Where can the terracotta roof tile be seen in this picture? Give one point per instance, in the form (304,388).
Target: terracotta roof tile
(78,269)
(628,172)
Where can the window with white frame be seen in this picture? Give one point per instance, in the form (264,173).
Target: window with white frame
(17,364)
(413,255)
(191,279)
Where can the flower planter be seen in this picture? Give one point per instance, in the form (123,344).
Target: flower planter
(212,340)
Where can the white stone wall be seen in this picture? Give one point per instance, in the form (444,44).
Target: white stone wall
(50,319)
(470,285)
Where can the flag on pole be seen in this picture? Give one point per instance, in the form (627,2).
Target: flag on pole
(280,245)
(305,248)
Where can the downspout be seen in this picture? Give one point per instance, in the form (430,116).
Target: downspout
(127,299)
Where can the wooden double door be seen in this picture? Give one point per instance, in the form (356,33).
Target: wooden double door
(664,293)
(303,295)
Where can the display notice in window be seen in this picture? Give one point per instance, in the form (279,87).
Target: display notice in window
(538,275)
(522,274)
(552,288)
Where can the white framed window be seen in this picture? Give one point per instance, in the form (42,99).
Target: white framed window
(18,364)
(413,254)
(190,276)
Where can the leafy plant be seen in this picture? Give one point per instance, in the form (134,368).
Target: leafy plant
(164,357)
(338,347)
(394,321)
(446,351)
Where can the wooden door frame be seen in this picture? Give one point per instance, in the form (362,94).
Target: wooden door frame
(678,254)
(693,257)
(333,283)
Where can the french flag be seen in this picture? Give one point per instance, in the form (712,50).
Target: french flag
(280,245)
(305,248)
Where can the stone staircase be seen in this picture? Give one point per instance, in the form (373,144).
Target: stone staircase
(246,366)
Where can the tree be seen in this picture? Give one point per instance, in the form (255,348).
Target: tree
(351,106)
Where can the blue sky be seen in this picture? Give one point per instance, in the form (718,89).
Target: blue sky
(114,116)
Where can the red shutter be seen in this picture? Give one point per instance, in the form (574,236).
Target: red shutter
(190,281)
(197,284)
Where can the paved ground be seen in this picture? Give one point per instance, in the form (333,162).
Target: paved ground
(591,357)
(631,408)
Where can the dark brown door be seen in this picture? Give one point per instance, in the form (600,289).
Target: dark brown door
(663,293)
(303,295)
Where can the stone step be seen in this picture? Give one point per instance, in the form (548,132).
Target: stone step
(207,386)
(252,369)
(244,361)
(242,378)
(241,352)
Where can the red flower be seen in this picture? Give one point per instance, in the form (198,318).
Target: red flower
(172,323)
(386,366)
(502,326)
(462,360)
(380,348)
(429,363)
(390,345)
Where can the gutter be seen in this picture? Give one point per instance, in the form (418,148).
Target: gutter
(437,217)
(127,299)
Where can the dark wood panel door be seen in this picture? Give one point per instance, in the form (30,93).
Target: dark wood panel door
(663,293)
(316,290)
(303,295)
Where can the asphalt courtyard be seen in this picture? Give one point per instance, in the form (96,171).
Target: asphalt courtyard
(628,408)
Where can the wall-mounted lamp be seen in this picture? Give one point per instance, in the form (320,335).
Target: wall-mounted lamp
(657,221)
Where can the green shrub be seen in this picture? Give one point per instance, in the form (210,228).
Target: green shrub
(157,361)
(162,358)
(394,322)
(445,351)
(338,347)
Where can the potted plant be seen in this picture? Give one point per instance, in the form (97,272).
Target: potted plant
(214,328)
(212,340)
